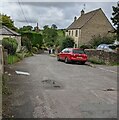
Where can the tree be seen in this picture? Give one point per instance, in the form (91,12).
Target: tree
(54,26)
(49,35)
(26,28)
(67,43)
(115,19)
(7,21)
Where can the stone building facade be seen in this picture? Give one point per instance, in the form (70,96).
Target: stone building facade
(89,24)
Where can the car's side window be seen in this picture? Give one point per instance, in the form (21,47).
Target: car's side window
(63,51)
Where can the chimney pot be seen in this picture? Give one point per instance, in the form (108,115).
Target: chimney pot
(75,18)
(82,12)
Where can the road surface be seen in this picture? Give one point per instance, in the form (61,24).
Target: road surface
(58,90)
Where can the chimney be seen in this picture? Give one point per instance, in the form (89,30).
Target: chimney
(82,12)
(37,28)
(75,18)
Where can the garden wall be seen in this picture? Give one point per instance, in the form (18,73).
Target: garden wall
(105,57)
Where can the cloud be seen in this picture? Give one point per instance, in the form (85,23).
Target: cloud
(48,13)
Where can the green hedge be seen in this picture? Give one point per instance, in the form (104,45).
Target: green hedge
(10,44)
(31,39)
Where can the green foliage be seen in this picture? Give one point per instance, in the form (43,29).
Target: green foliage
(61,33)
(85,46)
(25,28)
(115,19)
(32,39)
(13,59)
(49,35)
(67,42)
(7,21)
(95,61)
(10,44)
(54,26)
(26,42)
(35,50)
(97,40)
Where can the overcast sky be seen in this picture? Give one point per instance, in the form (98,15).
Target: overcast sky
(48,13)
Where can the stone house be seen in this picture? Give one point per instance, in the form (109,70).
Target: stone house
(6,32)
(89,24)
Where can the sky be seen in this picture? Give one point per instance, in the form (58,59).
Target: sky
(47,13)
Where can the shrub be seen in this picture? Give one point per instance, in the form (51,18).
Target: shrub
(97,40)
(10,44)
(85,46)
(26,42)
(35,50)
(67,42)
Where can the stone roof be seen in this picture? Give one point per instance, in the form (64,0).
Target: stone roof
(6,31)
(83,19)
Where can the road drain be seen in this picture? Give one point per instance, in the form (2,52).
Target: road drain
(51,84)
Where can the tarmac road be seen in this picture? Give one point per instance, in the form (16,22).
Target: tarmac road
(58,90)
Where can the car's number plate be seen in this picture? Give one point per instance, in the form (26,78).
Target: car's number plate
(79,57)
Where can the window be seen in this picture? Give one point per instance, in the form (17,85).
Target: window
(76,33)
(69,32)
(78,51)
(72,32)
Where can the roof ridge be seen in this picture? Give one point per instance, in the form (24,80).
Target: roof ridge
(11,31)
(95,11)
(87,16)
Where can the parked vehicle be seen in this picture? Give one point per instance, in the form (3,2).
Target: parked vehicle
(72,55)
(105,47)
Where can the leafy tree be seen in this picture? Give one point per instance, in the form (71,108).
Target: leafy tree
(25,28)
(54,26)
(7,21)
(49,35)
(115,19)
(67,43)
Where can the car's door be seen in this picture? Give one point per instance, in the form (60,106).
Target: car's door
(62,54)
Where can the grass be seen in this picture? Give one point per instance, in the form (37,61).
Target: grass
(13,59)
(96,61)
(114,64)
(17,57)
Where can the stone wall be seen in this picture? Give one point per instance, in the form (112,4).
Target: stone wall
(100,55)
(1,59)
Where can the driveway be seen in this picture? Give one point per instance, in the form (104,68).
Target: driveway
(58,90)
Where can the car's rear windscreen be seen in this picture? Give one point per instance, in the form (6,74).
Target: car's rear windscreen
(77,51)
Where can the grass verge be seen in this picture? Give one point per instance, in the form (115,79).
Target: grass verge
(99,62)
(13,59)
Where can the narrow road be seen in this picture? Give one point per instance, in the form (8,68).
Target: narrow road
(58,90)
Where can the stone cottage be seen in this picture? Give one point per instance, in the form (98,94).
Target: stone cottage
(6,32)
(89,24)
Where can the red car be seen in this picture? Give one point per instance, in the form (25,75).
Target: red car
(72,55)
